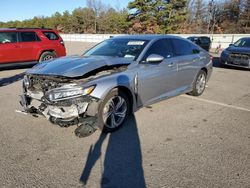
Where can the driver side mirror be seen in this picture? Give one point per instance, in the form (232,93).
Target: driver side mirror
(231,44)
(154,58)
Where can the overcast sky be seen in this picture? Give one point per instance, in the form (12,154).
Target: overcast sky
(26,9)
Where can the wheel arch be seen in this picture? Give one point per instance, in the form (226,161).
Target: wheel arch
(129,94)
(204,69)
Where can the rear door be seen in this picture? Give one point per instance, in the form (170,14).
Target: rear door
(188,62)
(29,45)
(156,80)
(54,41)
(9,48)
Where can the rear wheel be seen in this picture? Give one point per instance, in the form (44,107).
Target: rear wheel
(47,56)
(113,111)
(199,84)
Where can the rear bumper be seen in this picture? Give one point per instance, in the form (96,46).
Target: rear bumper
(61,52)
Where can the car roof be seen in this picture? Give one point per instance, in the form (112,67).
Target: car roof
(146,36)
(198,37)
(246,38)
(25,29)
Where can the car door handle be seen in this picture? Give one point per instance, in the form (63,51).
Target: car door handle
(17,46)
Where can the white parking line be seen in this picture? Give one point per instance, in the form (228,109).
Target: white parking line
(217,103)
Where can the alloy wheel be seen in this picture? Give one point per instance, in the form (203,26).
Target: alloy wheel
(114,112)
(47,57)
(201,83)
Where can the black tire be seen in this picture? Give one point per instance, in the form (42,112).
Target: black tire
(222,64)
(111,95)
(47,56)
(197,91)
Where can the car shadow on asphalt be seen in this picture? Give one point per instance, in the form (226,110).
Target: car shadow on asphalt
(122,166)
(9,80)
(15,66)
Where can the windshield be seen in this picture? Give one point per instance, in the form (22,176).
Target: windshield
(243,43)
(125,48)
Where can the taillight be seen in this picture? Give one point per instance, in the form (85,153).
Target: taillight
(62,42)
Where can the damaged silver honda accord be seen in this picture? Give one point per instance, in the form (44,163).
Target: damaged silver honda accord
(99,89)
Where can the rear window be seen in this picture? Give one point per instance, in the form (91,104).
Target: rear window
(8,37)
(205,40)
(29,37)
(51,35)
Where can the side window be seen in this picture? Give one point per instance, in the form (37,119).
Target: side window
(161,47)
(182,47)
(8,37)
(28,37)
(51,35)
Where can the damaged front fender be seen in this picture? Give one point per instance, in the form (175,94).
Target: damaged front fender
(72,106)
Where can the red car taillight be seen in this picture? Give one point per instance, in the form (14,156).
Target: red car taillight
(62,42)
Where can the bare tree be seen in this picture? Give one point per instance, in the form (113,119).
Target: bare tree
(97,7)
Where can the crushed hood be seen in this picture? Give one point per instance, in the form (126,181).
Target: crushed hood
(76,66)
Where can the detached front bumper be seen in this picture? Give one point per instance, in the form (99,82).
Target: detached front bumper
(74,111)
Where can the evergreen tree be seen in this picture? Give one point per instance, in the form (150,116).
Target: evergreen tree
(142,19)
(157,16)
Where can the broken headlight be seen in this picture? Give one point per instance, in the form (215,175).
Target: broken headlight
(68,91)
(26,81)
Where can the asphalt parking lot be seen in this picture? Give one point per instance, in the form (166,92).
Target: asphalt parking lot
(181,142)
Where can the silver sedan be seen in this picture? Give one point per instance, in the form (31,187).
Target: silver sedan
(115,78)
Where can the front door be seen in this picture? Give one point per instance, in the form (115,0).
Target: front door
(9,48)
(156,80)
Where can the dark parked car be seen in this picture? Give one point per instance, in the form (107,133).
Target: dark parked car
(237,54)
(24,45)
(202,41)
(113,79)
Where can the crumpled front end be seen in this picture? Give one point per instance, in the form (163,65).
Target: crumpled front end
(61,101)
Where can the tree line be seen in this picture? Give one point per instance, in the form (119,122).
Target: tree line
(149,16)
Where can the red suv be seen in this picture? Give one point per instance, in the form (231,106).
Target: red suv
(29,45)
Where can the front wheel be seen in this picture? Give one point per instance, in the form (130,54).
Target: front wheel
(199,84)
(113,111)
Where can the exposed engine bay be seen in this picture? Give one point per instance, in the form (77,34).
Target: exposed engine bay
(62,101)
